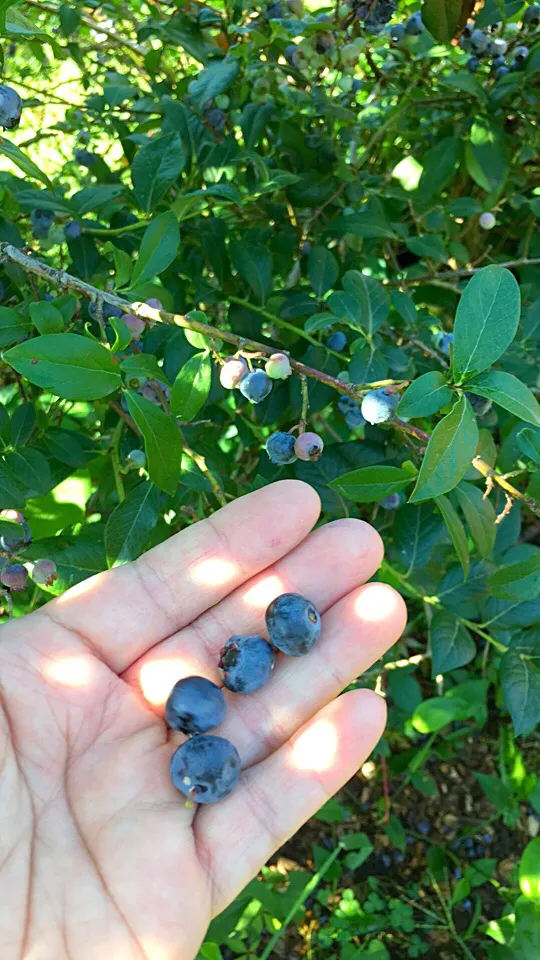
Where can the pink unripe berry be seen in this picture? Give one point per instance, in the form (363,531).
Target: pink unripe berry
(10,514)
(309,446)
(134,324)
(278,367)
(487,221)
(232,372)
(44,572)
(15,577)
(154,303)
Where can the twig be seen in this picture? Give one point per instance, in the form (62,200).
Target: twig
(115,459)
(457,274)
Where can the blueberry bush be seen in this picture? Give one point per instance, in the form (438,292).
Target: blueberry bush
(242,242)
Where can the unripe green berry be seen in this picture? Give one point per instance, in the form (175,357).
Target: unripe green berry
(278,367)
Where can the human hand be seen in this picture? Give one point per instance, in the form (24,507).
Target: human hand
(99,856)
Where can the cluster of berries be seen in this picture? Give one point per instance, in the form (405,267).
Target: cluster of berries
(254,385)
(206,768)
(485,46)
(13,575)
(283,448)
(412,27)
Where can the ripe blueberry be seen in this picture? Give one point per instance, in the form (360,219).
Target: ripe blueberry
(414,26)
(397,32)
(44,572)
(107,310)
(479,42)
(391,502)
(255,386)
(20,541)
(379,406)
(10,108)
(246,663)
(293,624)
(532,15)
(480,405)
(337,341)
(309,446)
(354,418)
(521,54)
(72,230)
(84,158)
(472,64)
(444,342)
(15,577)
(195,705)
(502,71)
(154,303)
(41,223)
(205,769)
(278,367)
(280,448)
(497,47)
(232,372)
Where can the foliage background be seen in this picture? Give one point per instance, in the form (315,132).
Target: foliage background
(305,208)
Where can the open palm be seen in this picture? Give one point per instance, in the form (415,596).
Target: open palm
(99,857)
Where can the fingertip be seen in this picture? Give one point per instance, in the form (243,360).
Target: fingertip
(298,492)
(378,603)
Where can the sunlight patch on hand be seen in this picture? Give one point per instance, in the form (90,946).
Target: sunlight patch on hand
(214,572)
(316,748)
(70,671)
(158,677)
(376,602)
(262,593)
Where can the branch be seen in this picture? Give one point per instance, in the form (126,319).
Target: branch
(457,274)
(62,279)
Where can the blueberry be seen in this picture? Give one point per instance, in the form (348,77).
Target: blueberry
(195,705)
(278,367)
(521,54)
(309,446)
(137,457)
(337,341)
(14,577)
(19,542)
(216,119)
(466,905)
(10,108)
(497,62)
(135,325)
(457,874)
(479,42)
(246,663)
(356,85)
(44,572)
(379,406)
(386,860)
(107,310)
(443,343)
(472,64)
(41,223)
(293,624)
(397,32)
(354,418)
(501,72)
(255,386)
(72,230)
(232,372)
(205,769)
(424,827)
(391,502)
(346,403)
(294,55)
(414,26)
(84,158)
(497,47)
(468,843)
(399,857)
(280,448)
(480,405)
(532,15)
(487,838)
(275,11)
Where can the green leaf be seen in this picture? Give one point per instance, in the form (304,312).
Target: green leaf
(130,524)
(368,484)
(13,327)
(451,448)
(214,80)
(486,321)
(456,530)
(508,392)
(323,270)
(429,246)
(517,581)
(480,516)
(520,679)
(142,365)
(526,942)
(529,443)
(438,163)
(435,713)
(367,365)
(451,643)
(162,442)
(30,470)
(254,264)
(46,318)
(372,298)
(529,870)
(76,558)
(4,5)
(191,387)
(417,531)
(157,165)
(122,264)
(486,155)
(23,162)
(22,424)
(346,308)
(71,366)
(158,248)
(122,334)
(425,396)
(441,18)
(11,494)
